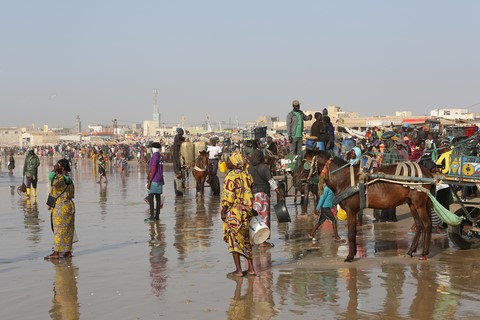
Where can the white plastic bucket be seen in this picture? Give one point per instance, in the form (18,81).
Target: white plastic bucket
(259,232)
(162,200)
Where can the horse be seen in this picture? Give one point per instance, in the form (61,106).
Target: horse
(382,194)
(200,172)
(302,182)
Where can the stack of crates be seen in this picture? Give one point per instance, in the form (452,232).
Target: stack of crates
(260,132)
(247,135)
(255,134)
(289,163)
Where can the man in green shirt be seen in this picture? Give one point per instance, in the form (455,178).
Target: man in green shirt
(295,120)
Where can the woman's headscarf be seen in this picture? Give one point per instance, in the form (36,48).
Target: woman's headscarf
(237,159)
(65,164)
(257,157)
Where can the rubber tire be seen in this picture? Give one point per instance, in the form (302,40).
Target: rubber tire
(455,232)
(215,185)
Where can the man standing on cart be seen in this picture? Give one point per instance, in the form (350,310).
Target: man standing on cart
(295,119)
(177,142)
(214,154)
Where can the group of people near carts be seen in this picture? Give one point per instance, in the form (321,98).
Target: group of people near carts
(256,169)
(406,144)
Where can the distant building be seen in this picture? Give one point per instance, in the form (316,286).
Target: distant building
(452,114)
(10,136)
(266,121)
(403,114)
(38,138)
(150,128)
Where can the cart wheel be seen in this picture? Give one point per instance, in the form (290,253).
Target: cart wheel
(177,185)
(215,186)
(460,235)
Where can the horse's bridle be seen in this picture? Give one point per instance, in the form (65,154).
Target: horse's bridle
(326,169)
(312,171)
(198,168)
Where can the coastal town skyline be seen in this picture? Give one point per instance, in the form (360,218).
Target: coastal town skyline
(233,62)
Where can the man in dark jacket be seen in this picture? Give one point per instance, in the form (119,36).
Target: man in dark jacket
(177,142)
(30,171)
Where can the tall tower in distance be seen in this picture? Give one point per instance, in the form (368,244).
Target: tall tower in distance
(78,125)
(156,114)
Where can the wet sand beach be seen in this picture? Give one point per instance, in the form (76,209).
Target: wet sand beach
(124,268)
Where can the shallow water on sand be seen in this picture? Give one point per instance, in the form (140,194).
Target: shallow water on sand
(124,268)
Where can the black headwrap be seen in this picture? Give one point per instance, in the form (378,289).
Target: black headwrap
(65,164)
(257,157)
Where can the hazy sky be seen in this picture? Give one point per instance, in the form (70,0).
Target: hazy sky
(233,60)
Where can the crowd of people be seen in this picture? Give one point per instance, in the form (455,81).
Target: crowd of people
(249,180)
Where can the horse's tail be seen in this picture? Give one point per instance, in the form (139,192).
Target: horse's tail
(429,206)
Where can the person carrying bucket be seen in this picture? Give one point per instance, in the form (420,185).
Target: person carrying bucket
(262,183)
(236,213)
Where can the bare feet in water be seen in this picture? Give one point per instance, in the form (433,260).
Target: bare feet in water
(236,274)
(266,244)
(54,255)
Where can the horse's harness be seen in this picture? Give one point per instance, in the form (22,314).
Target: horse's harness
(197,168)
(312,171)
(407,168)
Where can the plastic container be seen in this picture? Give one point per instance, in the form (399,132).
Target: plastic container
(187,152)
(341,214)
(199,146)
(259,232)
(310,142)
(222,166)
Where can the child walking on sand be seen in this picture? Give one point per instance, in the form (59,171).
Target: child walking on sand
(324,209)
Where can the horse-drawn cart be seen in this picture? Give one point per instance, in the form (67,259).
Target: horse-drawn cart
(358,187)
(465,172)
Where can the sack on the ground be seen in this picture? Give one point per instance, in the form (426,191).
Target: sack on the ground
(51,201)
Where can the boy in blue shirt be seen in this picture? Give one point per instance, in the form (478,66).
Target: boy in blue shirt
(324,209)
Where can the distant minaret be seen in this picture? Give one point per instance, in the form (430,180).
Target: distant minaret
(209,127)
(78,125)
(156,114)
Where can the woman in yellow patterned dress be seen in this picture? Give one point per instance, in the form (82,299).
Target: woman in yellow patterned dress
(236,203)
(63,214)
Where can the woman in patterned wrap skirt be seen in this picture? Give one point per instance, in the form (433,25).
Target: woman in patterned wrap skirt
(63,214)
(236,203)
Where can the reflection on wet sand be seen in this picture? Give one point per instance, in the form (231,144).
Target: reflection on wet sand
(193,225)
(65,292)
(177,266)
(254,302)
(102,199)
(31,220)
(158,261)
